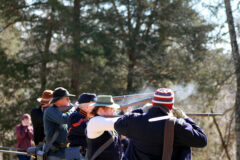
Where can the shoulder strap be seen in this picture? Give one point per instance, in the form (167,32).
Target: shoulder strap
(102,148)
(47,147)
(168,139)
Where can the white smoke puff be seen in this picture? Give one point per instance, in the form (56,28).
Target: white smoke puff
(184,91)
(149,91)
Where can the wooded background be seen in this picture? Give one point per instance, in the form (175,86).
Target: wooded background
(121,47)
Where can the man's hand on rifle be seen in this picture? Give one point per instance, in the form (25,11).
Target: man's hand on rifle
(177,112)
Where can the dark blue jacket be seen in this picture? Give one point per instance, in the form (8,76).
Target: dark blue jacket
(76,130)
(146,138)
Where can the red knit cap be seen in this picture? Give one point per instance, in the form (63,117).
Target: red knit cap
(164,97)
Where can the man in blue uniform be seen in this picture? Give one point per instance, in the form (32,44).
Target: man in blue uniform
(77,125)
(148,140)
(55,118)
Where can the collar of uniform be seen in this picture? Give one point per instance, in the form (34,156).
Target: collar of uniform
(83,113)
(40,107)
(55,106)
(158,110)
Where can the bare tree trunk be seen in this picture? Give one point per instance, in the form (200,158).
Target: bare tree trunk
(44,55)
(132,44)
(76,47)
(236,57)
(43,73)
(130,75)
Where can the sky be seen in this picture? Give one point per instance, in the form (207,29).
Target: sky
(207,11)
(219,18)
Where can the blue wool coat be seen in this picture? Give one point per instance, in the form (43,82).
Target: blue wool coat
(146,138)
(53,120)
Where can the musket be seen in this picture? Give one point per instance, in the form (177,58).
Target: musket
(14,152)
(204,114)
(117,98)
(146,100)
(135,103)
(9,148)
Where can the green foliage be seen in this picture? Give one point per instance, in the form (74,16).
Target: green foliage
(108,47)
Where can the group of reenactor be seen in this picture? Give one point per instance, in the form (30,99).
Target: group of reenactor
(90,128)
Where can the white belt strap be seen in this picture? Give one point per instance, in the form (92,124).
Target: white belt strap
(159,118)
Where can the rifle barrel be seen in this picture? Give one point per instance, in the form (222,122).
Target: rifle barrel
(9,148)
(117,98)
(14,152)
(204,114)
(146,100)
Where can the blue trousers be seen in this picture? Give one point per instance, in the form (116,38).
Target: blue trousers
(73,153)
(23,157)
(54,158)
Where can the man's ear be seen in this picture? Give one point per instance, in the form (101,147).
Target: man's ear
(100,110)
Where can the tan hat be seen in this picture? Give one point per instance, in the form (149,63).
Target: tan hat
(47,96)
